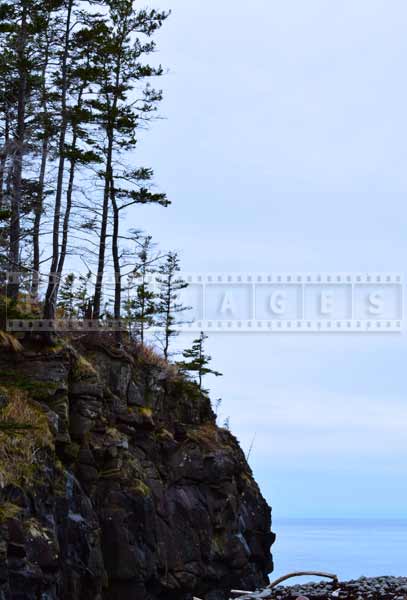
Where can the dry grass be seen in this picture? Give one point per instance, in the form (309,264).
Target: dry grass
(19,450)
(207,436)
(9,342)
(150,357)
(8,510)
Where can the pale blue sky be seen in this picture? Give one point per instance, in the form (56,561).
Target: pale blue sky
(283,146)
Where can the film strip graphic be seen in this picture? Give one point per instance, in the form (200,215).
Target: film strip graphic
(289,302)
(294,302)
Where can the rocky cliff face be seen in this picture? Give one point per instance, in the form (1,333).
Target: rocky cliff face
(125,488)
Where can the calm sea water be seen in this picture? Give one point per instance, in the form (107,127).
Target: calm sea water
(348,547)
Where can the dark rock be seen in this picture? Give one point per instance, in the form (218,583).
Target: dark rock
(92,389)
(135,394)
(143,498)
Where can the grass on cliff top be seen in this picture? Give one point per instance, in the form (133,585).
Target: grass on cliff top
(19,449)
(148,356)
(9,342)
(13,381)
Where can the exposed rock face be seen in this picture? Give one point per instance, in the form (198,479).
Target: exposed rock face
(140,496)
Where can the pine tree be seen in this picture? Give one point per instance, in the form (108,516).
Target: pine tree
(23,25)
(73,298)
(44,129)
(196,361)
(168,305)
(63,88)
(73,95)
(67,296)
(83,296)
(119,116)
(141,307)
(77,74)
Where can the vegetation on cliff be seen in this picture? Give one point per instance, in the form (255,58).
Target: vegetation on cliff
(115,479)
(124,485)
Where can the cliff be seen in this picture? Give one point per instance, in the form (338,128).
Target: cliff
(124,487)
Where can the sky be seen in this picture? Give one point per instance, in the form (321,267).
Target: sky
(282,146)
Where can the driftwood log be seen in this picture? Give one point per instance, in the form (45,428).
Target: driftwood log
(300,574)
(273,584)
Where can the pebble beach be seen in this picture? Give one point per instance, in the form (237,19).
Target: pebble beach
(364,588)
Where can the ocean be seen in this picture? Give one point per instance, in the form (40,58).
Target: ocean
(348,548)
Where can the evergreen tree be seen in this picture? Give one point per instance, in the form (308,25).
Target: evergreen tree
(168,305)
(73,95)
(196,361)
(44,129)
(141,308)
(82,150)
(73,80)
(62,81)
(67,296)
(83,296)
(24,24)
(121,51)
(74,299)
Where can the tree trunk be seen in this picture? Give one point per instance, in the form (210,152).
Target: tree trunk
(4,155)
(115,253)
(110,129)
(41,180)
(16,195)
(97,298)
(37,220)
(69,193)
(167,318)
(52,289)
(67,215)
(143,305)
(116,261)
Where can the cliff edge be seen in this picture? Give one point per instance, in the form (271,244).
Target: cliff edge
(123,486)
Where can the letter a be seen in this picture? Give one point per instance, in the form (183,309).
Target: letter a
(227,305)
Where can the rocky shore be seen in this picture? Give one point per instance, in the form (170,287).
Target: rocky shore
(364,588)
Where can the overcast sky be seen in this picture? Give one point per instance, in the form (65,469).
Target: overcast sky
(283,147)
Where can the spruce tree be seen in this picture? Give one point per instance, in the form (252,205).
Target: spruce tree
(196,361)
(73,295)
(141,304)
(168,305)
(83,296)
(67,296)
